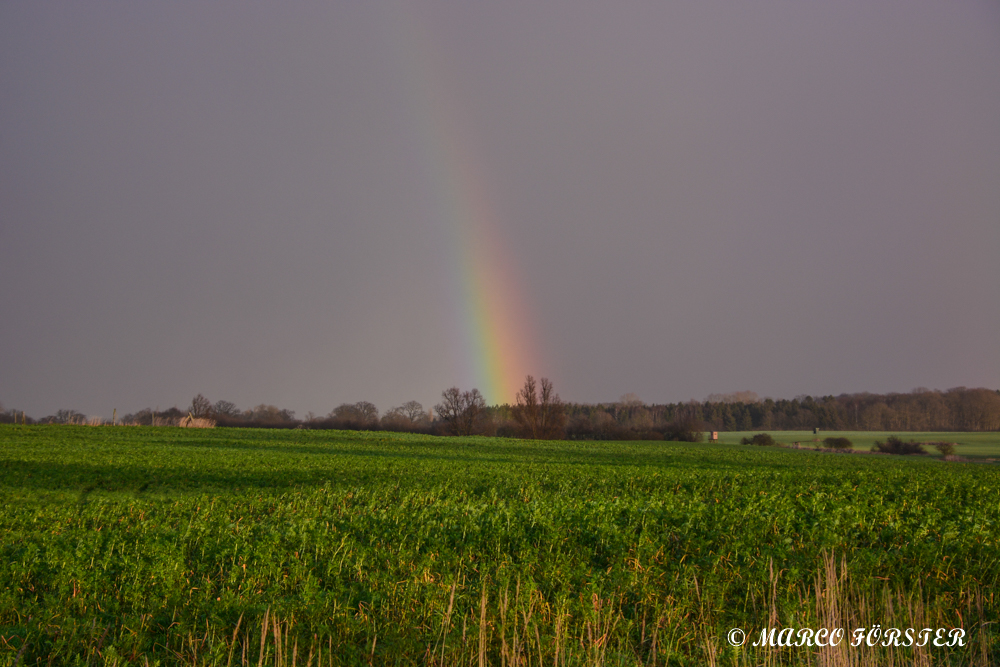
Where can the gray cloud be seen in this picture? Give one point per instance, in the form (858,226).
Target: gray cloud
(700,197)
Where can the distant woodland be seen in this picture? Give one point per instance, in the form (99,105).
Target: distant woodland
(538,412)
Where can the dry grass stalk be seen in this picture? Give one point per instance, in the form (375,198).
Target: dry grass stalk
(196,422)
(524,628)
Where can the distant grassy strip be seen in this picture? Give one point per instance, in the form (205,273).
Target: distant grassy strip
(971,445)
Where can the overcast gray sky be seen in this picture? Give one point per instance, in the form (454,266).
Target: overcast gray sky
(259,202)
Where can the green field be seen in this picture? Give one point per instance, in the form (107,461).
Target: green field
(136,545)
(978,446)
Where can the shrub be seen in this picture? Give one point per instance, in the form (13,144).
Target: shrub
(684,429)
(760,439)
(946,448)
(894,445)
(838,443)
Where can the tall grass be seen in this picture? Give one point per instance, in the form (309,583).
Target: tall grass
(516,625)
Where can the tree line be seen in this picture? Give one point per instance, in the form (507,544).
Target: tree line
(958,409)
(538,412)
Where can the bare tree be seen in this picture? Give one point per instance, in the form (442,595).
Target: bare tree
(450,408)
(358,416)
(539,416)
(226,409)
(413,411)
(200,407)
(66,417)
(395,420)
(408,417)
(368,411)
(553,414)
(269,416)
(462,411)
(143,417)
(527,409)
(344,411)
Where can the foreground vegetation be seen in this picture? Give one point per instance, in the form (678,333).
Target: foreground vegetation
(136,545)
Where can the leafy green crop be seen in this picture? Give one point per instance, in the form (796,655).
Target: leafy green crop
(130,543)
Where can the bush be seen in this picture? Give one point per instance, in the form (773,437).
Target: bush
(684,429)
(894,445)
(760,439)
(838,443)
(946,448)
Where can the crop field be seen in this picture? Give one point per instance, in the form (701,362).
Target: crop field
(169,546)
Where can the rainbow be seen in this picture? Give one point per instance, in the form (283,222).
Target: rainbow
(491,312)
